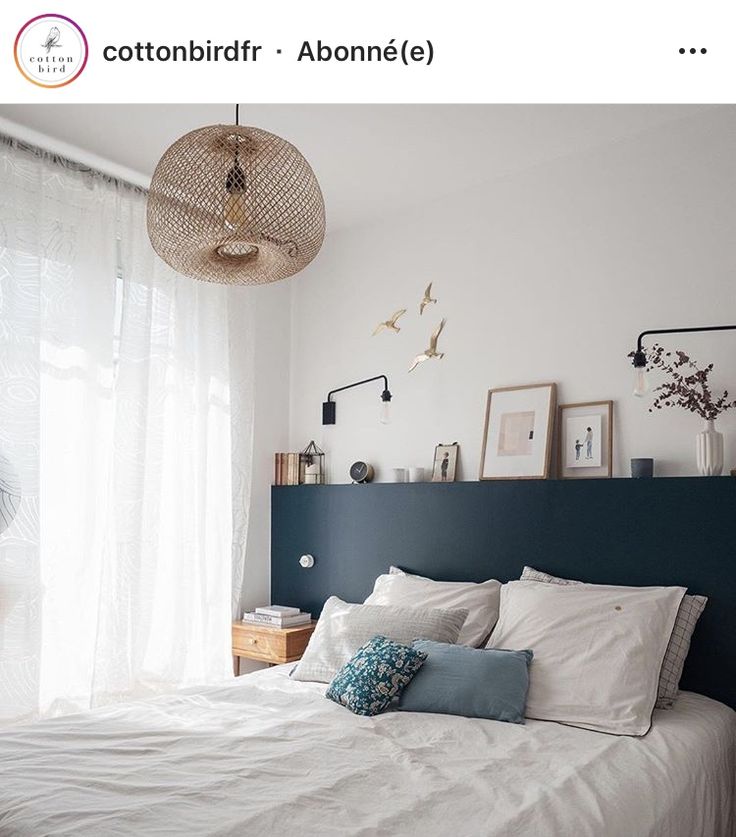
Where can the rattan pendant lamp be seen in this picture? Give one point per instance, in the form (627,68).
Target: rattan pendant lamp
(235,205)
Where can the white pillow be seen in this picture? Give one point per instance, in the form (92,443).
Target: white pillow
(480,600)
(342,629)
(674,657)
(597,650)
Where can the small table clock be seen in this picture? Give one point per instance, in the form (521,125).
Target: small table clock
(361,472)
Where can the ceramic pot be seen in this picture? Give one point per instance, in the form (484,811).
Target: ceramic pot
(709,450)
(642,468)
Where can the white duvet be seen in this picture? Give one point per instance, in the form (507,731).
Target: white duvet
(268,755)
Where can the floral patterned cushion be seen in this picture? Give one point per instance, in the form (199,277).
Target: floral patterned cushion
(377,673)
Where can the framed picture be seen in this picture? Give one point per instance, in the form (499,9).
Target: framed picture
(517,435)
(585,440)
(445,463)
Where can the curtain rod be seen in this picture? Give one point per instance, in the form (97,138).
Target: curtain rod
(71,156)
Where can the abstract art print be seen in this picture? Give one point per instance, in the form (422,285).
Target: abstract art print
(585,440)
(517,435)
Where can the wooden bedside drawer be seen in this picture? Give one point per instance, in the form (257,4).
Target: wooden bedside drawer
(270,645)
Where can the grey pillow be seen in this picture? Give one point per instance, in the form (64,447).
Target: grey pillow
(677,649)
(473,682)
(343,628)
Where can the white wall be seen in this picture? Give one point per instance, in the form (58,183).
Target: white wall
(546,275)
(259,365)
(270,428)
(271,420)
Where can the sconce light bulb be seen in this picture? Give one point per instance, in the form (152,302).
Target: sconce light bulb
(641,382)
(384,413)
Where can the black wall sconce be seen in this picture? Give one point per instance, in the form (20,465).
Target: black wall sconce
(641,385)
(328,407)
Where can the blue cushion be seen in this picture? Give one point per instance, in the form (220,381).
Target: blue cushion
(375,675)
(474,682)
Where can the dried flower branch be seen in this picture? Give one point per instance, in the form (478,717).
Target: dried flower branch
(688,386)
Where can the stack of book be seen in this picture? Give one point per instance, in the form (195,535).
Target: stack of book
(277,616)
(287,469)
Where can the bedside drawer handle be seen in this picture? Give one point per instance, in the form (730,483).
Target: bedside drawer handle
(252,641)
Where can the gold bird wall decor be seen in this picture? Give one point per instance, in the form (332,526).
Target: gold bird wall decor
(427,299)
(432,350)
(390,324)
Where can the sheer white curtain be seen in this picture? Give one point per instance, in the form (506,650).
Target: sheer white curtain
(115,410)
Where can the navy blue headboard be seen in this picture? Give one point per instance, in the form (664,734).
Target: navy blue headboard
(622,531)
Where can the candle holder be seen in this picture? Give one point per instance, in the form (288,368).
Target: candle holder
(312,465)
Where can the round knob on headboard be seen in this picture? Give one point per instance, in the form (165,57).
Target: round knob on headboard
(306,561)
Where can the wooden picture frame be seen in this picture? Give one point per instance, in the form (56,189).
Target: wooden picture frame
(577,456)
(512,448)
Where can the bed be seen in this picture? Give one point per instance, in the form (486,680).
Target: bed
(271,755)
(268,754)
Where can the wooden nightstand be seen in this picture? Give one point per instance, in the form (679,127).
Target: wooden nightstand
(270,645)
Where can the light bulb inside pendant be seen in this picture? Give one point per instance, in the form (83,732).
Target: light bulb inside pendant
(235,208)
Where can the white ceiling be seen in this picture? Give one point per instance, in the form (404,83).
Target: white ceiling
(369,159)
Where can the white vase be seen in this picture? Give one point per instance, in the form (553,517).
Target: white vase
(709,450)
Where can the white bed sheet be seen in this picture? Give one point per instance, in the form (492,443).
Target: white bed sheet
(268,755)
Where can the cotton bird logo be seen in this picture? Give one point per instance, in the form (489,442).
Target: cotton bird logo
(431,351)
(52,39)
(427,299)
(390,324)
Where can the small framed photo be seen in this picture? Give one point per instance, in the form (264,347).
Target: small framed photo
(517,435)
(585,443)
(445,463)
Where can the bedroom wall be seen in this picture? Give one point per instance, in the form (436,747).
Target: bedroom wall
(547,275)
(259,358)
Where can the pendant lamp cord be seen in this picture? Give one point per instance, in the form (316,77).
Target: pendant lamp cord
(237,122)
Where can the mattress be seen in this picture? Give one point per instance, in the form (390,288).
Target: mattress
(266,755)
